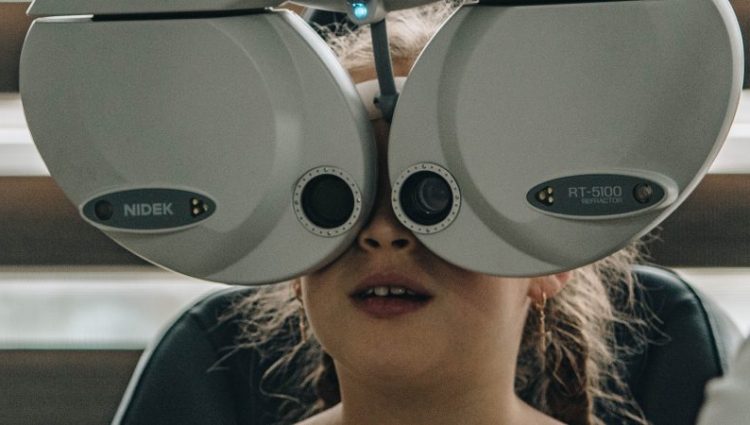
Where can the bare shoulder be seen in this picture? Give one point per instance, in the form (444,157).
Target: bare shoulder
(331,416)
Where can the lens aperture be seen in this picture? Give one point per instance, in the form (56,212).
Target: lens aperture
(426,198)
(327,201)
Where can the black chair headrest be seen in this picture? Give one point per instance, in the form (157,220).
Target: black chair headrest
(194,374)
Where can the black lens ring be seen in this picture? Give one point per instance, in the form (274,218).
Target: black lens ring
(327,201)
(452,212)
(413,199)
(304,217)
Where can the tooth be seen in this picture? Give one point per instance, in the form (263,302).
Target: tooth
(369,292)
(397,290)
(381,291)
(410,292)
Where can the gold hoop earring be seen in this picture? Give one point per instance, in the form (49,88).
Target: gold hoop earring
(300,311)
(302,323)
(543,328)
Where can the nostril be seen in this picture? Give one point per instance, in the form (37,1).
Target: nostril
(372,243)
(400,243)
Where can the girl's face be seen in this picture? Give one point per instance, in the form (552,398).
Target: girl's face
(470,319)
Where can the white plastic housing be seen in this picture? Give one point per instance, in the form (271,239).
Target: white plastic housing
(506,98)
(237,108)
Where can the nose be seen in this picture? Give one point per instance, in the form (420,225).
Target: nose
(384,233)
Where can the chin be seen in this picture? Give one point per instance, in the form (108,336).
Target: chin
(389,356)
(395,367)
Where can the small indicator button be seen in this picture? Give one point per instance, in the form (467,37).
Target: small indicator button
(545,195)
(643,193)
(198,207)
(104,210)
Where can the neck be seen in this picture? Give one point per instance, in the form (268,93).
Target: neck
(489,400)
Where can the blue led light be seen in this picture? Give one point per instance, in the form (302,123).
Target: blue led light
(360,11)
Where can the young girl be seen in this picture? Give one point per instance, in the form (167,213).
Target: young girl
(465,348)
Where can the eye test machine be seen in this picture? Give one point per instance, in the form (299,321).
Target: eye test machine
(223,140)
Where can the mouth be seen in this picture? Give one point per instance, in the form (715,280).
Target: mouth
(389,295)
(390,292)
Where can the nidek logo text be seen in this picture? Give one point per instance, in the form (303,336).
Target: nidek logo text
(145,210)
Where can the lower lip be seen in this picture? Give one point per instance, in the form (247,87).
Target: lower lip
(385,308)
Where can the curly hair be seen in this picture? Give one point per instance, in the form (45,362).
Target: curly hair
(575,378)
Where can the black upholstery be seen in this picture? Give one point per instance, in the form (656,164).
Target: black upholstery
(693,344)
(178,382)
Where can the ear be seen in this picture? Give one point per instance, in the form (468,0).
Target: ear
(549,285)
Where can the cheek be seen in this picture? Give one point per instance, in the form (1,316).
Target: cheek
(490,294)
(314,296)
(488,307)
(324,307)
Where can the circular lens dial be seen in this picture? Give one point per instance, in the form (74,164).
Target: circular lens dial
(327,202)
(426,198)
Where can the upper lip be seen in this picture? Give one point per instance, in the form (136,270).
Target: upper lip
(390,279)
